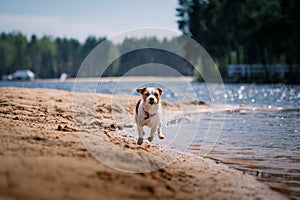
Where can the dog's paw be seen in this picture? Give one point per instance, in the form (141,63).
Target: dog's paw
(140,141)
(161,136)
(150,139)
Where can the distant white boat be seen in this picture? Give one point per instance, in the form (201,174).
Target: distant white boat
(23,74)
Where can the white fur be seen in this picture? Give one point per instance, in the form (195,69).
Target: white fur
(153,122)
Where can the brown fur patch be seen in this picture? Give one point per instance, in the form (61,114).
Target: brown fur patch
(159,90)
(144,92)
(141,90)
(137,106)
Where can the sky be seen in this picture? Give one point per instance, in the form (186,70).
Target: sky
(80,18)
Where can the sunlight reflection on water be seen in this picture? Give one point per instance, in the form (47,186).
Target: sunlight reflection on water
(263,143)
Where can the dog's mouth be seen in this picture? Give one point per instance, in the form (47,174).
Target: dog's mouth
(151,102)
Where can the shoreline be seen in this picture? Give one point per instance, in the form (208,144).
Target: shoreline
(41,151)
(122,78)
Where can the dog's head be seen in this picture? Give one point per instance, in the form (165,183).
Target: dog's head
(150,95)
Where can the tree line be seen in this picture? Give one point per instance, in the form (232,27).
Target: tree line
(46,57)
(49,58)
(243,31)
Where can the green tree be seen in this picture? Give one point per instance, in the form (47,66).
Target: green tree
(76,58)
(7,53)
(244,31)
(113,52)
(34,55)
(48,67)
(21,59)
(182,13)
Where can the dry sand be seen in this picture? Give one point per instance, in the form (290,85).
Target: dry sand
(42,157)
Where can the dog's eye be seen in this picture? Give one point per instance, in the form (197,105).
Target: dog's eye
(147,94)
(156,94)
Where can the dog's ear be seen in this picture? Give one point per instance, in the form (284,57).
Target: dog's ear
(159,90)
(140,90)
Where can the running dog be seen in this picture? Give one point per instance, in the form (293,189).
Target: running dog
(148,112)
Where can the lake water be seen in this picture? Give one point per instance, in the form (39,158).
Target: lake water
(264,141)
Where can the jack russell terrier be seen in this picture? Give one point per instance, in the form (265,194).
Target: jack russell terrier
(148,112)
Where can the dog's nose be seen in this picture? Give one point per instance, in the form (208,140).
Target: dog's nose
(151,99)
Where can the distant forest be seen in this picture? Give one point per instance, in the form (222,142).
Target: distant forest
(49,58)
(232,31)
(244,31)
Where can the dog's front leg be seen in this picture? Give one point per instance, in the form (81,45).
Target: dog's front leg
(141,134)
(152,132)
(160,135)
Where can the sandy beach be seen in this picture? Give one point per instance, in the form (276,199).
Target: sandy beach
(42,156)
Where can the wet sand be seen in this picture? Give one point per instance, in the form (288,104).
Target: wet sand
(43,157)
